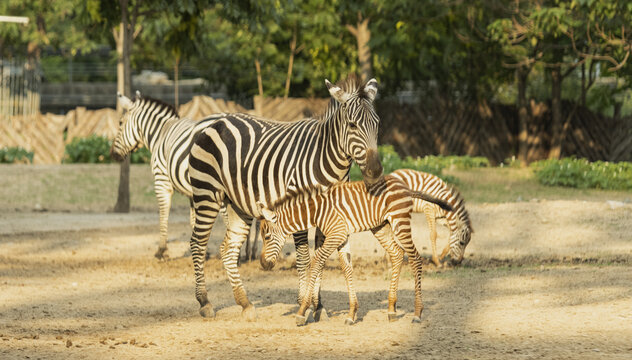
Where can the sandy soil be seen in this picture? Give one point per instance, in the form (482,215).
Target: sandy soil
(541,280)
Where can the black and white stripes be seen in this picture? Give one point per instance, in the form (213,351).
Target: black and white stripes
(157,126)
(458,219)
(241,160)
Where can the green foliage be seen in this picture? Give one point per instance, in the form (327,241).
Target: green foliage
(96,150)
(141,156)
(391,161)
(581,173)
(15,155)
(92,149)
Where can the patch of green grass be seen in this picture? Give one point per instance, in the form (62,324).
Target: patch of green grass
(497,185)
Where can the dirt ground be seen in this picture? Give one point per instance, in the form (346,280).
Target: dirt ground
(548,279)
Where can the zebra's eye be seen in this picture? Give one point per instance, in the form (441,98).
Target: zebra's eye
(461,242)
(353,125)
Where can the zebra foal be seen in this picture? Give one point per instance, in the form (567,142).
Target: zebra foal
(458,219)
(339,211)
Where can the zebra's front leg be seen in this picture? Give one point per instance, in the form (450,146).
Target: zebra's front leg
(385,236)
(237,231)
(164,191)
(316,270)
(303,260)
(344,255)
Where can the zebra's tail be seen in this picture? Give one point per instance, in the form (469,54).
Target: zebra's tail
(429,198)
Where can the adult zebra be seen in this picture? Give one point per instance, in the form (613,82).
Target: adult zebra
(458,219)
(158,126)
(239,160)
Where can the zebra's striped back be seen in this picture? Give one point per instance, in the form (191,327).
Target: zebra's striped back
(346,208)
(458,219)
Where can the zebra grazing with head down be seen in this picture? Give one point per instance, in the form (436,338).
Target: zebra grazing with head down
(158,126)
(458,219)
(339,211)
(240,160)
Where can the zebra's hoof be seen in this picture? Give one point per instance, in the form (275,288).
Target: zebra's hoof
(416,320)
(321,315)
(207,311)
(349,321)
(249,313)
(392,317)
(161,254)
(301,320)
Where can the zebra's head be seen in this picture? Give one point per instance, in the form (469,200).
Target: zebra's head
(129,134)
(272,236)
(359,125)
(459,240)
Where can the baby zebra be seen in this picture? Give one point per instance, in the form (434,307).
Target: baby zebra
(342,210)
(458,219)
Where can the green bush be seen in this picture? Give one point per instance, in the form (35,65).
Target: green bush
(141,156)
(581,173)
(96,150)
(15,155)
(391,161)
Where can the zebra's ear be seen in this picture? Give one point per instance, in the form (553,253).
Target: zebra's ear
(125,102)
(370,89)
(138,96)
(268,214)
(337,93)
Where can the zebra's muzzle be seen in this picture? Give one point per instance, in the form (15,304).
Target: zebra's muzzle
(373,169)
(265,264)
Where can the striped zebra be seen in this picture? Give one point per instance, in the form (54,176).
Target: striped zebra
(458,220)
(158,126)
(342,210)
(239,160)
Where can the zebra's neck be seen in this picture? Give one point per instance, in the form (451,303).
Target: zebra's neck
(297,213)
(459,217)
(155,116)
(333,129)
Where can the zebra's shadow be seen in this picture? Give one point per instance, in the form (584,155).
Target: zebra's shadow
(336,303)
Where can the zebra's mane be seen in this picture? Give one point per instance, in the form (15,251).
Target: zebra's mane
(163,105)
(353,85)
(304,193)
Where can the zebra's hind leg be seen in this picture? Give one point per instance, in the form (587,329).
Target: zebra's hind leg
(205,215)
(432,226)
(237,231)
(401,229)
(344,255)
(164,191)
(385,236)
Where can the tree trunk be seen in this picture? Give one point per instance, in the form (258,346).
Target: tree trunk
(175,82)
(583,94)
(258,68)
(362,34)
(123,39)
(290,65)
(556,109)
(523,116)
